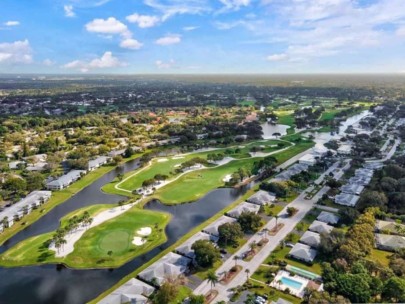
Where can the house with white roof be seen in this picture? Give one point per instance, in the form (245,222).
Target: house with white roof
(134,291)
(320,227)
(352,188)
(311,238)
(185,248)
(328,217)
(261,198)
(243,207)
(389,242)
(24,207)
(170,265)
(65,180)
(308,159)
(389,227)
(212,228)
(98,162)
(346,199)
(303,252)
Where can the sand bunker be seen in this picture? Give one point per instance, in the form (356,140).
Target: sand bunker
(162,160)
(144,231)
(138,241)
(177,157)
(227,178)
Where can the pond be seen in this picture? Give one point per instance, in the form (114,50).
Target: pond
(321,138)
(57,284)
(269,129)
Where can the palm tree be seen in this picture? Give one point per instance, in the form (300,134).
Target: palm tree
(212,279)
(236,258)
(247,271)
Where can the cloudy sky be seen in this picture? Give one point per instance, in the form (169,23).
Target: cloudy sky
(202,36)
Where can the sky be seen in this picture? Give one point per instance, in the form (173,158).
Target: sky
(202,36)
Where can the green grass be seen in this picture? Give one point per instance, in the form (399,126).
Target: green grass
(183,293)
(262,273)
(92,249)
(380,256)
(286,119)
(329,115)
(58,197)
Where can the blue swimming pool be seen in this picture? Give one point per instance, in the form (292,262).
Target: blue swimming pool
(291,283)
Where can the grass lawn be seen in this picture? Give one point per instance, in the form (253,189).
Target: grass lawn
(58,197)
(91,250)
(281,253)
(380,256)
(183,293)
(329,114)
(202,272)
(285,117)
(263,273)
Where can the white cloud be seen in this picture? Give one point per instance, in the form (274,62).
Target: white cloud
(233,5)
(48,62)
(190,28)
(143,21)
(130,43)
(170,8)
(165,65)
(12,23)
(16,52)
(108,26)
(69,11)
(401,32)
(105,61)
(169,40)
(277,57)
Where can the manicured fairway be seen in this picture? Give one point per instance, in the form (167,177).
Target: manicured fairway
(133,180)
(107,245)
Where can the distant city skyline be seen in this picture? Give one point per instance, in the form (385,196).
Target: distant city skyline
(202,36)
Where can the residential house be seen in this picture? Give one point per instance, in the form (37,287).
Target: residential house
(346,199)
(243,207)
(185,248)
(98,162)
(261,198)
(134,291)
(65,180)
(303,252)
(389,242)
(170,265)
(320,227)
(310,238)
(328,217)
(212,228)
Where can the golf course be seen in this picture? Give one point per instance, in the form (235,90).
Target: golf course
(192,185)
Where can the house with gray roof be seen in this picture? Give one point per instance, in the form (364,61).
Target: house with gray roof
(261,198)
(328,217)
(291,171)
(170,265)
(116,153)
(243,207)
(185,248)
(311,238)
(134,291)
(320,227)
(352,188)
(212,228)
(303,252)
(346,199)
(98,162)
(389,242)
(65,180)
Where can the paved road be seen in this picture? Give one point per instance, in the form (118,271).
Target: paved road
(303,207)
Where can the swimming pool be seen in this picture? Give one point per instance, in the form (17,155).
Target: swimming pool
(291,283)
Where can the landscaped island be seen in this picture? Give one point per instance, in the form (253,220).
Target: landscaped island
(110,244)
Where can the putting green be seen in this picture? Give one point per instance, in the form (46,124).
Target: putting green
(115,241)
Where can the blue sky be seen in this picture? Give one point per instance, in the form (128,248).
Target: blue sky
(202,36)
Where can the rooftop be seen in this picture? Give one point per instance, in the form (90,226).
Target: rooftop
(328,217)
(261,198)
